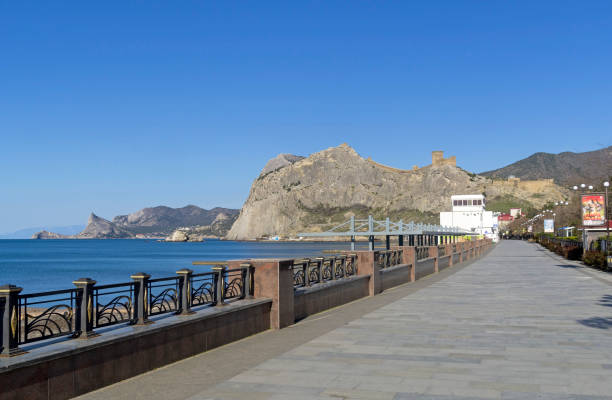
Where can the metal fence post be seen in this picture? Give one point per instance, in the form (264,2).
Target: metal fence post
(9,312)
(185,291)
(220,286)
(320,268)
(332,267)
(305,265)
(141,298)
(247,276)
(84,313)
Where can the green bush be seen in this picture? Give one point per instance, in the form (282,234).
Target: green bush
(595,259)
(572,252)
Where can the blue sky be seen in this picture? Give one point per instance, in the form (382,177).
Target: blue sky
(114,106)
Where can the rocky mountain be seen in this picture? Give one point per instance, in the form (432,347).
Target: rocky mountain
(154,222)
(100,228)
(565,168)
(280,161)
(163,219)
(218,228)
(315,193)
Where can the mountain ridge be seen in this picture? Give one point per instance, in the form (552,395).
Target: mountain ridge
(565,168)
(155,222)
(329,186)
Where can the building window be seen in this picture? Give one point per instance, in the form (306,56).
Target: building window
(454,202)
(465,202)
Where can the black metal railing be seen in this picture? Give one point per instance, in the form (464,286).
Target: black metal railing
(78,311)
(44,315)
(307,272)
(113,304)
(422,252)
(202,288)
(388,258)
(162,295)
(233,280)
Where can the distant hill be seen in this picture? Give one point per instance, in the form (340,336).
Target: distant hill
(565,168)
(158,222)
(164,220)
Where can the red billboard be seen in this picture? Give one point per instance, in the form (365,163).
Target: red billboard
(593,209)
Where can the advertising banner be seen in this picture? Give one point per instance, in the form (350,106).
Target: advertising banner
(593,209)
(549,225)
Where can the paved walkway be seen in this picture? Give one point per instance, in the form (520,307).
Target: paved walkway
(517,324)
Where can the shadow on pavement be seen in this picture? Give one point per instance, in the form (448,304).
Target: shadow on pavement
(566,266)
(597,322)
(606,300)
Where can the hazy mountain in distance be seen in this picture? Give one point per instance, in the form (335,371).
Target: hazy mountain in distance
(26,233)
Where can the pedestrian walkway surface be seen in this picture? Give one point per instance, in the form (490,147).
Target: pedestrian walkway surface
(518,324)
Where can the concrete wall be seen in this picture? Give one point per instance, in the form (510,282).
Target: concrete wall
(424,267)
(444,262)
(71,368)
(456,257)
(321,297)
(395,276)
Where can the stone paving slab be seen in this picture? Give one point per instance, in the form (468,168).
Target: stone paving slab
(517,324)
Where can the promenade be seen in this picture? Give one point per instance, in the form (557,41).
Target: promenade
(519,323)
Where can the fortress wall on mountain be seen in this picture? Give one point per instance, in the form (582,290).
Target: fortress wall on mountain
(387,168)
(535,185)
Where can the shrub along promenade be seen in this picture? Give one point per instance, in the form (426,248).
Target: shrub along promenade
(60,344)
(573,249)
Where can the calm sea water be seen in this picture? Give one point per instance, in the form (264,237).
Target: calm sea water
(42,265)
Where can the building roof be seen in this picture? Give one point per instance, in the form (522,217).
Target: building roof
(467,196)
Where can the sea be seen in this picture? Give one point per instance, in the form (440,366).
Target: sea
(45,265)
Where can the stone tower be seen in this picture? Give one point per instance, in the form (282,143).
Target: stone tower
(437,159)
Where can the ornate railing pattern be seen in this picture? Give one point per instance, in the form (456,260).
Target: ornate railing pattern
(422,253)
(202,288)
(388,258)
(307,272)
(455,249)
(78,311)
(162,295)
(233,283)
(45,315)
(113,304)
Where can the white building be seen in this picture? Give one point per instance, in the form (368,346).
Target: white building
(469,213)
